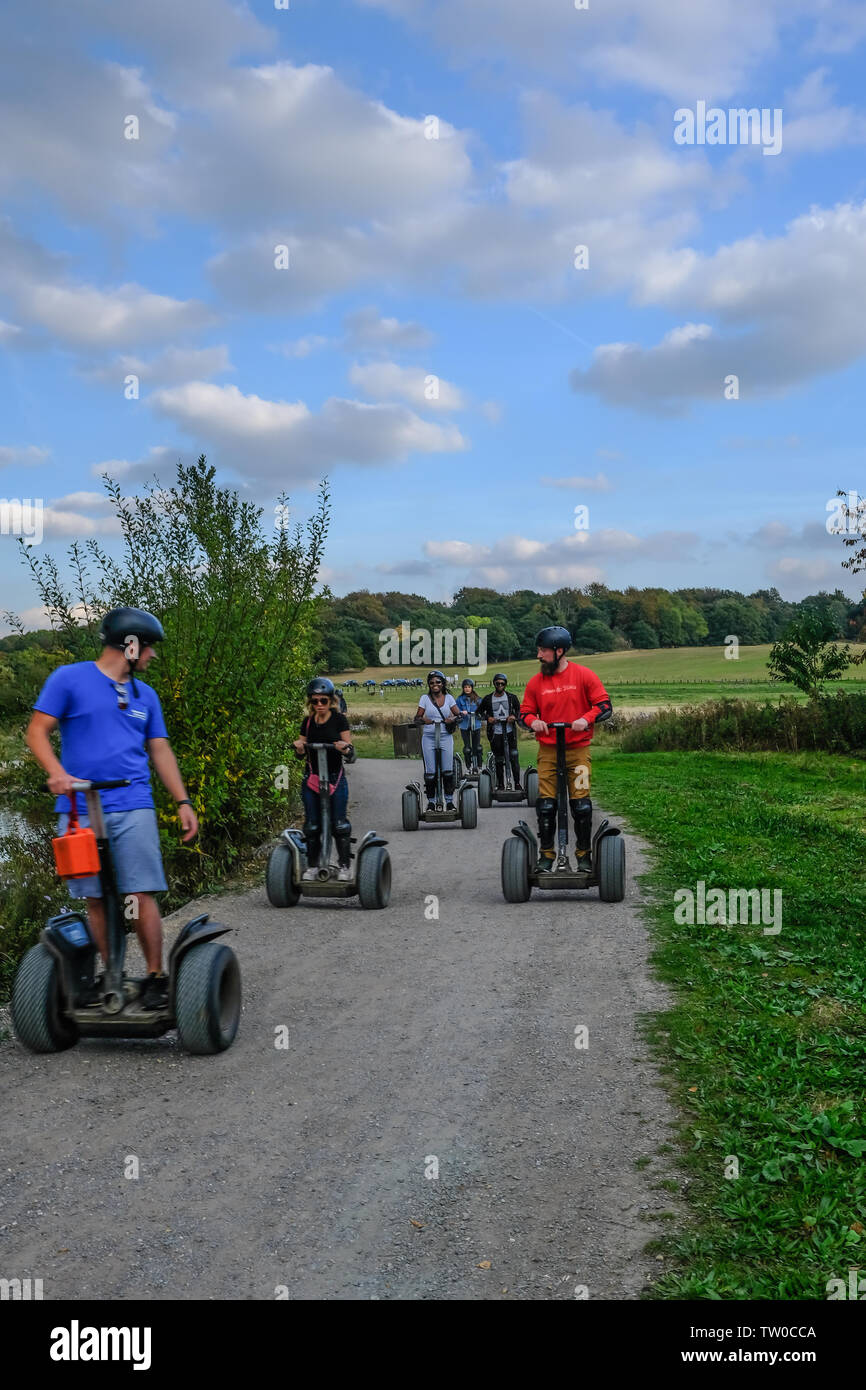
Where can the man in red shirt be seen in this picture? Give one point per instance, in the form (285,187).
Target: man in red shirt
(563,692)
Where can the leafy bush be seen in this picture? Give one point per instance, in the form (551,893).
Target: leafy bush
(834,723)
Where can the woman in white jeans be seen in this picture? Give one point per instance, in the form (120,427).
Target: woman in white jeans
(437,707)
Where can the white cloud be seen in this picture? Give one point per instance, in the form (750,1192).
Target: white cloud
(367,330)
(789,307)
(791,569)
(584,179)
(63,117)
(516,561)
(268,439)
(24,454)
(59,522)
(171,367)
(160,459)
(703,46)
(303,347)
(83,316)
(382,381)
(818,124)
(296,143)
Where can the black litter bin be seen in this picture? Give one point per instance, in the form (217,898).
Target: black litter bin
(407,741)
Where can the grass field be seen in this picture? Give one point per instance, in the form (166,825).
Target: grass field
(766,1045)
(635,679)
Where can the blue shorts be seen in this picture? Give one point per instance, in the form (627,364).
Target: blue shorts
(134,840)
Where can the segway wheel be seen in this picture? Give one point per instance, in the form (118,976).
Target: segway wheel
(411,811)
(374,877)
(485,790)
(459,770)
(611,869)
(516,887)
(468,809)
(530,783)
(36,1016)
(207,1001)
(279,882)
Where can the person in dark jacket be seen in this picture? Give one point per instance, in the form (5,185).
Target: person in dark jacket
(468,702)
(500,710)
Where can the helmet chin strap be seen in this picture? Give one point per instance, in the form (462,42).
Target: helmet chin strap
(132,651)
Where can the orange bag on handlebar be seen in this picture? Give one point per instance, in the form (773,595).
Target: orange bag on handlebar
(76,854)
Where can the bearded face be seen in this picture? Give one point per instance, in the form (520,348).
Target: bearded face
(547,661)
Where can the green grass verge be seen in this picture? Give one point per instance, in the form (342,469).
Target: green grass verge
(766,1044)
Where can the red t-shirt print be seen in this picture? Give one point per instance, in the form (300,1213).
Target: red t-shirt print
(570,694)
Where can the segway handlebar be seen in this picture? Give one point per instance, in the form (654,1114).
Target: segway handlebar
(350,753)
(82,786)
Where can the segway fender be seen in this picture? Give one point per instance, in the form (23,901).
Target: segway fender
(197,930)
(522,830)
(603,830)
(371,838)
(295,840)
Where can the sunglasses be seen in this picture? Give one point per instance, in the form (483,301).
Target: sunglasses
(122,695)
(325,700)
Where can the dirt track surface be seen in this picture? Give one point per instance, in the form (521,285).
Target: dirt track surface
(409,1039)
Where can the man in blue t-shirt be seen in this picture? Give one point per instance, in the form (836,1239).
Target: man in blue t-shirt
(109,723)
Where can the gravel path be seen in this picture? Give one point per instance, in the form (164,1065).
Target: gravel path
(411,1039)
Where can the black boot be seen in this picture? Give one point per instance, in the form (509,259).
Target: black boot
(515,770)
(500,774)
(581,814)
(430,790)
(343,840)
(313,841)
(545,809)
(448,784)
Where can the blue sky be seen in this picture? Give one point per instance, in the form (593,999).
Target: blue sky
(451,258)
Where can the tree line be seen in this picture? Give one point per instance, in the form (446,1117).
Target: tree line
(599,618)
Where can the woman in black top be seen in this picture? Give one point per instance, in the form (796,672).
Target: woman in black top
(325,724)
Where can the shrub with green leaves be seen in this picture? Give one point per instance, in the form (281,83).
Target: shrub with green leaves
(834,723)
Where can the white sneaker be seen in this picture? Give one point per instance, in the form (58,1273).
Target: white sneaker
(310,874)
(344,874)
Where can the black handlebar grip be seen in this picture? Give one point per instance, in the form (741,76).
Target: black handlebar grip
(102,786)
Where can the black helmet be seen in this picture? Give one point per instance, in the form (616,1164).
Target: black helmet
(500,676)
(320,685)
(440,674)
(121,623)
(467,680)
(554,637)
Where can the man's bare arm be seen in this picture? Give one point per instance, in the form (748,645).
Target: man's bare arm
(38,741)
(165,762)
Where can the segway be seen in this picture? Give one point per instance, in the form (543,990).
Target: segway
(285,884)
(520,852)
(488,792)
(55,979)
(465,809)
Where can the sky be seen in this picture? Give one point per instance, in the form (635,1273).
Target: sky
(341,239)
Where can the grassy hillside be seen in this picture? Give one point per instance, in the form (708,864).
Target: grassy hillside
(666,676)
